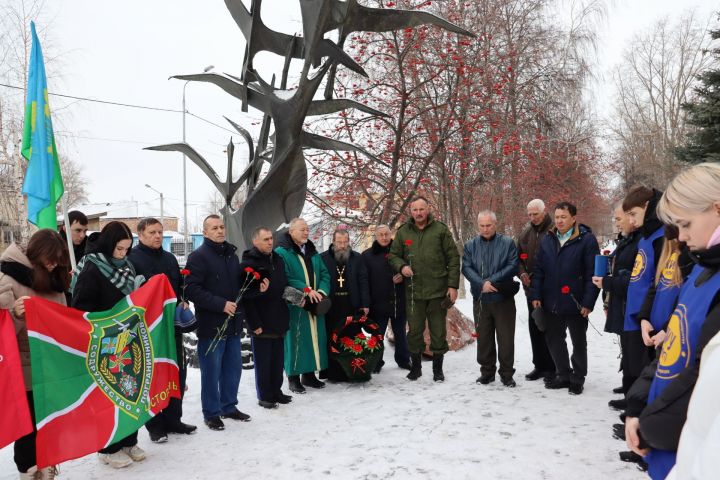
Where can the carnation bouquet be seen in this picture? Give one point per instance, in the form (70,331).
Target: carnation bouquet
(357,346)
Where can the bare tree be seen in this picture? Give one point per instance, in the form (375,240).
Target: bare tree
(656,76)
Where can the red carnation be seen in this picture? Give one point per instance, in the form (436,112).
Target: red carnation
(357,348)
(372,342)
(408,242)
(523,256)
(606,252)
(565,290)
(184,272)
(249,270)
(307,289)
(346,341)
(361,336)
(256,275)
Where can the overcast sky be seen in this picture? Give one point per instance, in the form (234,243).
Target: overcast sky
(125,52)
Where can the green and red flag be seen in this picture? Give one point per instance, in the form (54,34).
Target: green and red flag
(15,421)
(99,376)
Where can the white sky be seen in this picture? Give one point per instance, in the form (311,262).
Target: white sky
(125,52)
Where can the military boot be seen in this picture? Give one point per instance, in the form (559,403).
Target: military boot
(416,367)
(438,375)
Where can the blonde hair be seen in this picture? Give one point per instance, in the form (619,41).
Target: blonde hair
(670,247)
(694,189)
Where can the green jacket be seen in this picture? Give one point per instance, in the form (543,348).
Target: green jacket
(432,255)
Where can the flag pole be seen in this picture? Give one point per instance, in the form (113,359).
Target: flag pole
(68,234)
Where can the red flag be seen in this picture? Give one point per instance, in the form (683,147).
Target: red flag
(15,421)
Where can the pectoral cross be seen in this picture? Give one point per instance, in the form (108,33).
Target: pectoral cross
(341,279)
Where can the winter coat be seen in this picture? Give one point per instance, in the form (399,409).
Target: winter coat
(494,260)
(697,457)
(355,274)
(215,278)
(432,255)
(149,262)
(267,310)
(662,421)
(529,242)
(615,286)
(16,282)
(94,292)
(571,265)
(387,299)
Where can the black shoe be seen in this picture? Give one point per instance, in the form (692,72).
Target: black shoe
(158,437)
(508,382)
(323,375)
(182,428)
(283,399)
(619,404)
(416,367)
(266,404)
(619,389)
(309,380)
(575,388)
(237,415)
(534,375)
(633,457)
(485,379)
(557,383)
(295,385)
(214,423)
(549,378)
(619,431)
(438,375)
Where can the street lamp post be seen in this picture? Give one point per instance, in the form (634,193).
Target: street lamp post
(185,209)
(162,205)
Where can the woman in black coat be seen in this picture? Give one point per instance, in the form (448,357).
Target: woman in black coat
(106,277)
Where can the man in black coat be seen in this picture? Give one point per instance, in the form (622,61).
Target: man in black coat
(149,259)
(387,295)
(213,286)
(349,290)
(562,285)
(267,318)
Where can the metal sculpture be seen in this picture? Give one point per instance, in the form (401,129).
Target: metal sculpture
(279,195)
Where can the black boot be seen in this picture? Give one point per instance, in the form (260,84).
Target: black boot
(294,384)
(416,367)
(438,375)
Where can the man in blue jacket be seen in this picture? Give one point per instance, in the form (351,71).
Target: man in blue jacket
(213,286)
(562,285)
(490,261)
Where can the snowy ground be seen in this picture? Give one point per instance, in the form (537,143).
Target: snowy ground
(391,427)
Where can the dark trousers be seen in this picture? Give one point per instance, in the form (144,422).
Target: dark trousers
(269,357)
(170,417)
(555,334)
(24,447)
(635,357)
(398,324)
(418,311)
(541,358)
(495,320)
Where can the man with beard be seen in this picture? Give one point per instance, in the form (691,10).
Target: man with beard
(387,295)
(349,289)
(305,342)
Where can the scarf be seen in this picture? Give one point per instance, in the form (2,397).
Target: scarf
(120,273)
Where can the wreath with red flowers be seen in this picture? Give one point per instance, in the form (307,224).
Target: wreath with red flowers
(357,346)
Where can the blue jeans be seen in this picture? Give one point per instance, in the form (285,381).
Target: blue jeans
(219,375)
(402,355)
